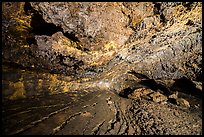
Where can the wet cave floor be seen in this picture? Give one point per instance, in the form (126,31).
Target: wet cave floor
(38,103)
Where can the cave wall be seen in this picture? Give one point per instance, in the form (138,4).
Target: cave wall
(119,68)
(160,40)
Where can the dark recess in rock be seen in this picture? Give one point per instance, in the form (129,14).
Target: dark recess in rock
(126,92)
(188,5)
(190,22)
(40,27)
(138,75)
(187,86)
(116,68)
(157,7)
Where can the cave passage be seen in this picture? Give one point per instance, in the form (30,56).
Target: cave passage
(148,85)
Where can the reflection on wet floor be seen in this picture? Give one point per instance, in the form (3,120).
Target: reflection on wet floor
(33,99)
(18,83)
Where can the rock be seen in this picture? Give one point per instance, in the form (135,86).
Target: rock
(93,24)
(198,85)
(171,56)
(176,113)
(173,96)
(182,102)
(138,11)
(136,95)
(141,34)
(140,92)
(96,45)
(158,97)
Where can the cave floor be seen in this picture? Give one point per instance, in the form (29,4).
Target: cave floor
(34,103)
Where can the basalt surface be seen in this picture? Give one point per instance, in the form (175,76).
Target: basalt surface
(102,68)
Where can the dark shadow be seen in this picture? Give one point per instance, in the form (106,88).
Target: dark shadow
(71,36)
(172,100)
(150,83)
(164,89)
(31,40)
(186,86)
(188,5)
(157,8)
(190,22)
(200,75)
(19,66)
(138,75)
(126,92)
(145,82)
(153,85)
(41,27)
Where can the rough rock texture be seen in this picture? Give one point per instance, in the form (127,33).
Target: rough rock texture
(165,42)
(46,107)
(122,59)
(93,24)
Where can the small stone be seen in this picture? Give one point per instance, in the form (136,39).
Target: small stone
(147,91)
(139,93)
(135,95)
(176,113)
(174,95)
(86,114)
(110,102)
(198,85)
(197,106)
(182,102)
(158,97)
(163,103)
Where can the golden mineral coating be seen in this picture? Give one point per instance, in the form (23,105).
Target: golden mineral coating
(114,67)
(95,44)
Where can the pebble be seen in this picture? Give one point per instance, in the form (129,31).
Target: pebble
(174,95)
(182,102)
(110,102)
(176,113)
(138,93)
(158,97)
